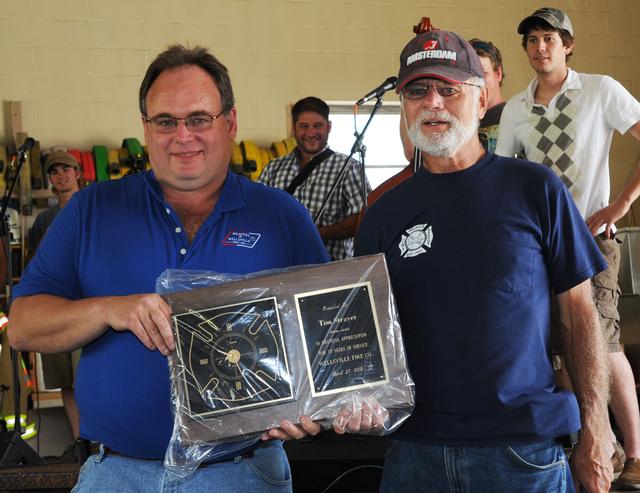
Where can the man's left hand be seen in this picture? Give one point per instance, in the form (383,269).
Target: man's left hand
(591,465)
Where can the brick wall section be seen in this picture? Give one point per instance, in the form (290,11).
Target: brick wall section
(76,64)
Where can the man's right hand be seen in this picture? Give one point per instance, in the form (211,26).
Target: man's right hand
(146,315)
(363,417)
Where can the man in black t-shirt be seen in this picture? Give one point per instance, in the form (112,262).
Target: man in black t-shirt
(491,60)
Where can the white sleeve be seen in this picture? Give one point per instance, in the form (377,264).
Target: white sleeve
(508,144)
(621,109)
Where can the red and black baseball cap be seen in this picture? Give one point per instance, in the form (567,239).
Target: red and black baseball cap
(438,54)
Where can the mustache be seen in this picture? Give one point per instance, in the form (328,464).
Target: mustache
(426,115)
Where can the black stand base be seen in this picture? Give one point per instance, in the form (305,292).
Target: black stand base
(337,463)
(14,451)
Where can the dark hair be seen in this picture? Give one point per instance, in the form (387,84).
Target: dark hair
(178,56)
(540,24)
(310,103)
(491,51)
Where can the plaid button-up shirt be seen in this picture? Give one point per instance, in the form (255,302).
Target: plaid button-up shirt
(345,201)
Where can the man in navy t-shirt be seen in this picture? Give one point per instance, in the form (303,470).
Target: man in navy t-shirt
(92,281)
(474,243)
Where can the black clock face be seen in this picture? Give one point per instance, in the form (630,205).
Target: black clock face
(233,356)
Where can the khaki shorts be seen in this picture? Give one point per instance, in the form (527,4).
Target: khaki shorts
(58,370)
(605,296)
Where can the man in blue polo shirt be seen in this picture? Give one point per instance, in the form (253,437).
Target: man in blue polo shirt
(92,281)
(473,242)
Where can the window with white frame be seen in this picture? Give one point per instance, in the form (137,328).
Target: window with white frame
(384,156)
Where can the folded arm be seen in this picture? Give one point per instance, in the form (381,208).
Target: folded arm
(340,230)
(51,324)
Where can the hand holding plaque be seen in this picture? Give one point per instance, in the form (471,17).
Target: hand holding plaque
(322,341)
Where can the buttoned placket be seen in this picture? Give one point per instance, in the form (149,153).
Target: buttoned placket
(182,241)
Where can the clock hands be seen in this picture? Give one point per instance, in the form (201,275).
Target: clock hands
(220,350)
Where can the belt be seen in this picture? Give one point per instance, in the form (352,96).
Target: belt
(570,440)
(245,455)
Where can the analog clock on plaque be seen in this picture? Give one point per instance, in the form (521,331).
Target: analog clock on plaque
(234,357)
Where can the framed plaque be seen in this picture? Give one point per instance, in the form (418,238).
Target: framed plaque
(341,339)
(268,347)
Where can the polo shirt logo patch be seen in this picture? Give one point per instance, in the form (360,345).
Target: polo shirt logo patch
(244,240)
(415,240)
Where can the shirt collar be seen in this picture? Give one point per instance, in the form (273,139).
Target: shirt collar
(231,198)
(571,82)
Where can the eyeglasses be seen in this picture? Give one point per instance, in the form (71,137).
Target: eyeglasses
(196,122)
(444,89)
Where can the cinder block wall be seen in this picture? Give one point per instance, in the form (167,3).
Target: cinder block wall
(76,64)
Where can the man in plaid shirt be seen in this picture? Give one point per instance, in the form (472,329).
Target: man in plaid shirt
(311,127)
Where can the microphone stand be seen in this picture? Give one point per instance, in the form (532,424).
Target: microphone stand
(357,147)
(417,159)
(14,451)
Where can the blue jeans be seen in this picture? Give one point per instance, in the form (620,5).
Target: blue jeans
(266,472)
(533,468)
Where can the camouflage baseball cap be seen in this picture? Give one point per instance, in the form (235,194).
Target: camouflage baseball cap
(556,18)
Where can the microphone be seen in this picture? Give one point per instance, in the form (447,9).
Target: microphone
(26,145)
(387,85)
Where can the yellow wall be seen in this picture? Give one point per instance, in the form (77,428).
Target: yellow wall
(76,64)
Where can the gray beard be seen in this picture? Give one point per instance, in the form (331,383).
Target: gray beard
(444,144)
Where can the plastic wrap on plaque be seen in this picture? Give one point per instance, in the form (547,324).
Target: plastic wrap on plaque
(254,350)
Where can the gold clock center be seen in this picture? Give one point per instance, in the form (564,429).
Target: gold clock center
(233,356)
